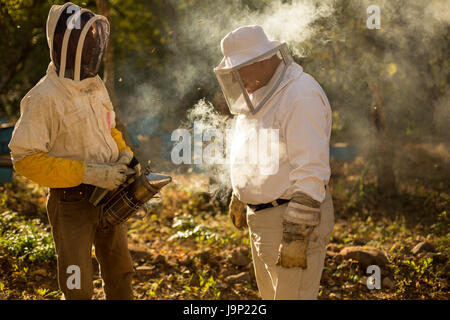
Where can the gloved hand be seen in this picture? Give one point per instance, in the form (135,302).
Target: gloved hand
(105,175)
(132,174)
(138,170)
(300,218)
(238,212)
(125,157)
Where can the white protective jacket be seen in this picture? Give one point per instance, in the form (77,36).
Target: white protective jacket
(300,111)
(64,124)
(66,119)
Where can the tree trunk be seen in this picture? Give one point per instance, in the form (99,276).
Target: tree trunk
(385,149)
(108,76)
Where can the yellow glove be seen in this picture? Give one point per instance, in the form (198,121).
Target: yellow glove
(238,212)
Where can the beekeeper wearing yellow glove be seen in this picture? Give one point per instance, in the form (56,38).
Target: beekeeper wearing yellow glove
(289,207)
(66,140)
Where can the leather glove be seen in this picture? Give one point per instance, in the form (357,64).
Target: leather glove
(138,170)
(132,174)
(299,220)
(238,212)
(125,157)
(105,175)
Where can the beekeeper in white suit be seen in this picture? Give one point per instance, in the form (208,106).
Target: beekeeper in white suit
(289,211)
(66,139)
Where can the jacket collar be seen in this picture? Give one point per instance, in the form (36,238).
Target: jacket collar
(293,72)
(85,86)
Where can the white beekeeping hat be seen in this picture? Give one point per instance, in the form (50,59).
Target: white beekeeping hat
(244,44)
(242,47)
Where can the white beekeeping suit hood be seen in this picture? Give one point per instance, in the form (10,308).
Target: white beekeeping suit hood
(68,113)
(77,40)
(244,47)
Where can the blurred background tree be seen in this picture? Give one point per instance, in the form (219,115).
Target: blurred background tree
(23,50)
(138,31)
(387,86)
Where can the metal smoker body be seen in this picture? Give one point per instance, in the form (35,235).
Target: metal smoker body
(124,202)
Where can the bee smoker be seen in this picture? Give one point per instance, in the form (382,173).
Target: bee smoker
(122,203)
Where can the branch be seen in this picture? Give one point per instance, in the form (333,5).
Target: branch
(120,12)
(8,16)
(12,67)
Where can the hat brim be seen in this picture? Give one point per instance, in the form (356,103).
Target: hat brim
(242,57)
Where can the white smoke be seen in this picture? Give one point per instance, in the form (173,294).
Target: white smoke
(288,22)
(202,30)
(196,51)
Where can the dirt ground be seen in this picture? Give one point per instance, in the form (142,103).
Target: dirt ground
(185,246)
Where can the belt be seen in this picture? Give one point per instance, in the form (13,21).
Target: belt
(84,190)
(275,203)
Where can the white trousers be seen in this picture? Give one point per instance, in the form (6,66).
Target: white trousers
(279,283)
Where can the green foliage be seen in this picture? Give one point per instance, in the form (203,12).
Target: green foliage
(208,283)
(27,240)
(154,287)
(442,226)
(420,267)
(188,228)
(360,194)
(42,291)
(139,31)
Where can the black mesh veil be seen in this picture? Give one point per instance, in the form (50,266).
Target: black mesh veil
(94,45)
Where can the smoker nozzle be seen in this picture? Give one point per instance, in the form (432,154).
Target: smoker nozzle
(157,180)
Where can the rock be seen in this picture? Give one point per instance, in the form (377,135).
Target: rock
(388,283)
(332,254)
(335,296)
(422,247)
(239,258)
(39,272)
(333,247)
(221,285)
(159,259)
(145,269)
(139,252)
(365,255)
(240,277)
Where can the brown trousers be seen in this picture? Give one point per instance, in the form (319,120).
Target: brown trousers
(75,228)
